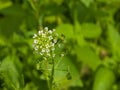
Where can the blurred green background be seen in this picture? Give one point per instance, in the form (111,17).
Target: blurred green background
(92,31)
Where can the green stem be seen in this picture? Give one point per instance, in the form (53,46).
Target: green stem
(52,74)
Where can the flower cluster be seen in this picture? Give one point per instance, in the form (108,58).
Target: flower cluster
(45,42)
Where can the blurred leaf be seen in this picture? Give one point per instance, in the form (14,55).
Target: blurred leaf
(104,79)
(10,74)
(66,69)
(66,29)
(5,4)
(87,2)
(78,34)
(113,37)
(109,1)
(13,17)
(90,30)
(88,56)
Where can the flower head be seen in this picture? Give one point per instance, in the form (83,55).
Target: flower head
(45,43)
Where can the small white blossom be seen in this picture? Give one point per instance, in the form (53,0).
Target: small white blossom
(50,31)
(35,41)
(52,44)
(48,54)
(36,48)
(35,35)
(40,32)
(55,40)
(45,42)
(50,37)
(46,28)
(54,30)
(41,53)
(43,35)
(43,50)
(47,50)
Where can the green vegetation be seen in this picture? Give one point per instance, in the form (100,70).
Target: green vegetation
(91,30)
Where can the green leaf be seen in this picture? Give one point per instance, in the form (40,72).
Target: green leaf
(12,18)
(88,56)
(12,77)
(66,29)
(87,2)
(113,36)
(104,79)
(90,30)
(66,74)
(5,4)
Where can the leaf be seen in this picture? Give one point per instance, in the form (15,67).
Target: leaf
(65,29)
(88,56)
(5,4)
(11,76)
(87,2)
(113,37)
(13,17)
(78,34)
(104,79)
(66,74)
(90,30)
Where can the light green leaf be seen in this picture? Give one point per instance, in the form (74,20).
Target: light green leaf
(90,30)
(104,79)
(64,68)
(88,57)
(11,76)
(87,2)
(66,29)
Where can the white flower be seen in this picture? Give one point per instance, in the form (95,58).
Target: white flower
(40,32)
(41,53)
(55,40)
(47,45)
(35,41)
(52,44)
(48,54)
(50,37)
(45,42)
(43,50)
(54,30)
(50,31)
(47,50)
(46,28)
(43,35)
(35,35)
(36,48)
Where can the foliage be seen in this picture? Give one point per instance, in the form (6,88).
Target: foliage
(92,32)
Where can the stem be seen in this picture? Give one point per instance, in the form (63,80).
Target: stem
(52,74)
